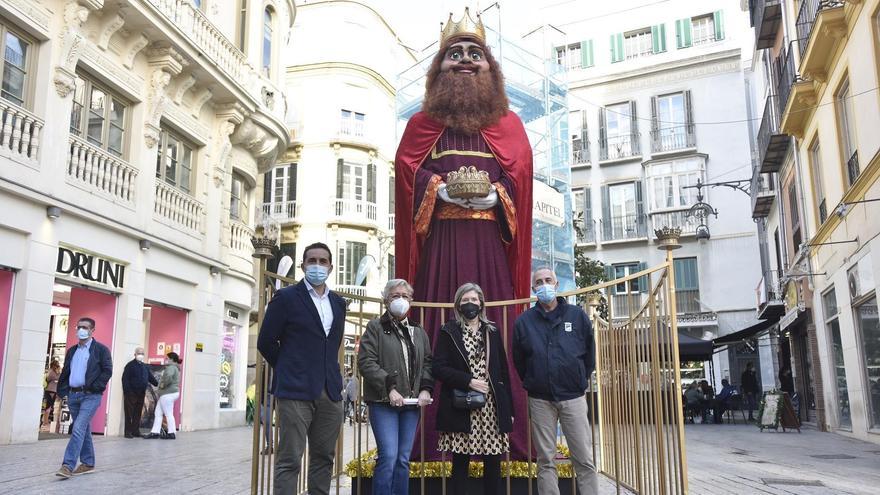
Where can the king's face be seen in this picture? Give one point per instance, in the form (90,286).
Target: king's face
(464,58)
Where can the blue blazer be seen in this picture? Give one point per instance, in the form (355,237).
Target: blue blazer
(99,369)
(292,340)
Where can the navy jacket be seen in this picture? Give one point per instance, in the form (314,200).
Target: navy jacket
(98,370)
(292,340)
(553,352)
(136,377)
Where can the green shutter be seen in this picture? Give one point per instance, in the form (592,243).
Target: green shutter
(586,53)
(339,176)
(686,274)
(658,38)
(644,281)
(719,24)
(683,31)
(617,47)
(371,183)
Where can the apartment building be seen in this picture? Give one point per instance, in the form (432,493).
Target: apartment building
(134,134)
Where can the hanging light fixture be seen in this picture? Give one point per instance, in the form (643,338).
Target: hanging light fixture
(701,212)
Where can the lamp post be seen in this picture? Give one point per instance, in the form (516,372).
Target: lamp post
(265,238)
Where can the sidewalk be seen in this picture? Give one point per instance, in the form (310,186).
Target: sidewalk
(722,459)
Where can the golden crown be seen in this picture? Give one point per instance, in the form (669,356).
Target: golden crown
(464,28)
(468,182)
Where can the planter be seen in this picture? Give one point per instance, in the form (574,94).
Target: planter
(434,486)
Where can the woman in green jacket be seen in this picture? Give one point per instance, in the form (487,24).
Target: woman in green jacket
(394,360)
(169,391)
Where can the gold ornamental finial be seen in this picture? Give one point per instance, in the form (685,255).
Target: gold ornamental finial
(466,27)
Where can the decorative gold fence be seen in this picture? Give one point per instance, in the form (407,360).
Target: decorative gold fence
(635,413)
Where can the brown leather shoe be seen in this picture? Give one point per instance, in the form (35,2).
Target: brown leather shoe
(83,469)
(64,472)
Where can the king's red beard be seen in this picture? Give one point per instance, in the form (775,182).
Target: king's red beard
(466,102)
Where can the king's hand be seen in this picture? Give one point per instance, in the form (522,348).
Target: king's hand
(486,202)
(444,195)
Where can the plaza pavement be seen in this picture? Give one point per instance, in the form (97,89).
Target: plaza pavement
(722,459)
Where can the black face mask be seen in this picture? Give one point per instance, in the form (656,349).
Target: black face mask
(469,310)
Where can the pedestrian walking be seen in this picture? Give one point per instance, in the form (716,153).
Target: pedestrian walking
(50,392)
(136,377)
(87,369)
(300,338)
(475,412)
(350,393)
(169,392)
(394,360)
(553,355)
(748,383)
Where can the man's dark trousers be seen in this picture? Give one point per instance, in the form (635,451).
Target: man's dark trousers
(134,406)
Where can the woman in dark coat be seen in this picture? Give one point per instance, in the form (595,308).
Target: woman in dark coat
(469,355)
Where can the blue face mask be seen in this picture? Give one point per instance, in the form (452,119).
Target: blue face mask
(82,333)
(316,274)
(546,293)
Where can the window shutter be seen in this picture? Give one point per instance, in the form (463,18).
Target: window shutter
(586,53)
(688,113)
(683,31)
(371,183)
(678,33)
(291,182)
(588,208)
(339,177)
(718,18)
(609,273)
(686,274)
(640,209)
(658,38)
(606,213)
(617,47)
(634,128)
(655,122)
(584,134)
(643,281)
(603,141)
(267,187)
(391,191)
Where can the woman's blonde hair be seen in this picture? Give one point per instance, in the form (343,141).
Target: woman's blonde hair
(464,289)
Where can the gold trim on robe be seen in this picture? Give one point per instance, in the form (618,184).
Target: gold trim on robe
(426,210)
(451,211)
(509,210)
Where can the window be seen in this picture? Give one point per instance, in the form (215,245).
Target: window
(240,198)
(671,122)
(624,270)
(622,211)
(98,116)
(279,191)
(353,181)
(703,29)
(197,3)
(242,24)
(637,44)
(232,346)
(580,142)
(349,258)
(846,123)
(818,191)
(569,56)
(174,163)
(391,270)
(352,123)
(869,328)
(267,41)
(583,215)
(617,132)
(16,52)
(829,300)
(356,189)
(687,285)
(794,216)
(667,181)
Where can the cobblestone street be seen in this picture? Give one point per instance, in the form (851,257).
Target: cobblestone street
(722,459)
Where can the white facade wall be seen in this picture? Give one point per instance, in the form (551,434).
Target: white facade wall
(174,70)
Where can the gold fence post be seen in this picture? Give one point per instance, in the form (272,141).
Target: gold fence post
(263,244)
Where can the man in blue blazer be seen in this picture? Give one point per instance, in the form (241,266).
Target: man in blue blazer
(300,338)
(87,369)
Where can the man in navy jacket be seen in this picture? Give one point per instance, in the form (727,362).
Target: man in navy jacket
(136,377)
(300,339)
(554,356)
(87,369)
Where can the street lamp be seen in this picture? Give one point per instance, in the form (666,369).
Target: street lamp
(701,211)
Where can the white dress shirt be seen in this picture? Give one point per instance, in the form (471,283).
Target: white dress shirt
(322,304)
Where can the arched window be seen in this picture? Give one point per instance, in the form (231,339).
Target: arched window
(267,41)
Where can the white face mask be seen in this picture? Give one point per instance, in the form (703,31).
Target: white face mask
(399,307)
(139,357)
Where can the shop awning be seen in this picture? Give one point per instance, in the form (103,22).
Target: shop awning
(745,333)
(692,349)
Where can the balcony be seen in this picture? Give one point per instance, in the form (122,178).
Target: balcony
(797,97)
(852,168)
(240,239)
(687,301)
(178,208)
(769,296)
(100,172)
(585,231)
(679,218)
(580,154)
(353,212)
(673,138)
(772,143)
(20,134)
(619,147)
(821,27)
(766,19)
(762,195)
(282,211)
(622,228)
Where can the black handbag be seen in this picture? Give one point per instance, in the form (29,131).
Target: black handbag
(468,399)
